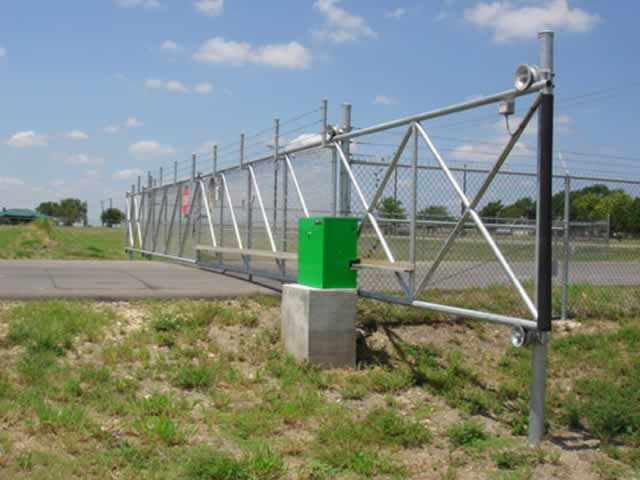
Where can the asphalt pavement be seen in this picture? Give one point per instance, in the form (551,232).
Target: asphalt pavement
(115,280)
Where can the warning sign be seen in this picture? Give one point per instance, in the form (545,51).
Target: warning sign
(185,200)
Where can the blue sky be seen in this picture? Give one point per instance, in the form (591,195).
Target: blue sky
(94,92)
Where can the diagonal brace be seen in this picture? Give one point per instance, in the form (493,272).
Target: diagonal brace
(387,176)
(363,200)
(478,221)
(262,209)
(480,194)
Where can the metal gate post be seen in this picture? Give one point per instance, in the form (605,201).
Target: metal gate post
(345,185)
(414,214)
(285,209)
(276,154)
(565,247)
(543,285)
(249,204)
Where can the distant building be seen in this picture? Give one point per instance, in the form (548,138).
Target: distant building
(15,216)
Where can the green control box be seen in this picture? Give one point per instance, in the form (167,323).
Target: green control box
(326,248)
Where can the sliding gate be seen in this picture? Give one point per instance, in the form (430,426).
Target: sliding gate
(242,218)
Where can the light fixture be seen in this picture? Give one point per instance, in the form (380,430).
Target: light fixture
(526,75)
(519,336)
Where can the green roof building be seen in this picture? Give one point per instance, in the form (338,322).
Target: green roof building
(14,216)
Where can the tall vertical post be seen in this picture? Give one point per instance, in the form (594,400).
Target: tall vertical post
(175,172)
(323,132)
(414,213)
(395,183)
(249,205)
(215,160)
(566,248)
(464,187)
(131,220)
(161,177)
(193,166)
(276,154)
(543,243)
(345,185)
(334,182)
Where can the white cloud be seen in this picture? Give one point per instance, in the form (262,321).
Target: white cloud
(487,151)
(149,4)
(203,88)
(76,135)
(288,55)
(150,148)
(133,122)
(28,139)
(304,139)
(127,173)
(383,100)
(176,87)
(11,181)
(82,159)
(511,20)
(396,13)
(212,8)
(169,45)
(173,86)
(3,52)
(340,25)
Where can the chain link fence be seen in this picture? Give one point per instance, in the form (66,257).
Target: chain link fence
(218,198)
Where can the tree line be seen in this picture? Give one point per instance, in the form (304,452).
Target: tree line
(70,211)
(588,204)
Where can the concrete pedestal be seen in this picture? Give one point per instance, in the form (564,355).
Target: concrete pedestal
(319,325)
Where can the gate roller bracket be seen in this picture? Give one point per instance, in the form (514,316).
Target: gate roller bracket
(522,337)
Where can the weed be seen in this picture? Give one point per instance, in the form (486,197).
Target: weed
(608,470)
(510,460)
(208,464)
(467,434)
(25,462)
(162,428)
(46,225)
(53,418)
(192,377)
(386,426)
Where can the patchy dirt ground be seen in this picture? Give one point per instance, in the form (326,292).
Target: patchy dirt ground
(200,390)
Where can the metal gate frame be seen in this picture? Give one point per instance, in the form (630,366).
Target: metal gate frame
(143,235)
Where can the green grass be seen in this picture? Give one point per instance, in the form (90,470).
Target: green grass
(43,240)
(171,397)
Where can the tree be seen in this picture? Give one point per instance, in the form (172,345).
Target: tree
(72,210)
(50,209)
(521,208)
(112,216)
(391,208)
(435,212)
(492,209)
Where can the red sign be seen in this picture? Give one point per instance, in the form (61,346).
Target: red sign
(185,200)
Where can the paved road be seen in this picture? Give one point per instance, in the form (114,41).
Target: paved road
(114,280)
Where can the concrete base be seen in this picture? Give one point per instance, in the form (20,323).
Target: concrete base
(319,325)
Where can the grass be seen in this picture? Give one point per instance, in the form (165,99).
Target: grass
(43,240)
(202,390)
